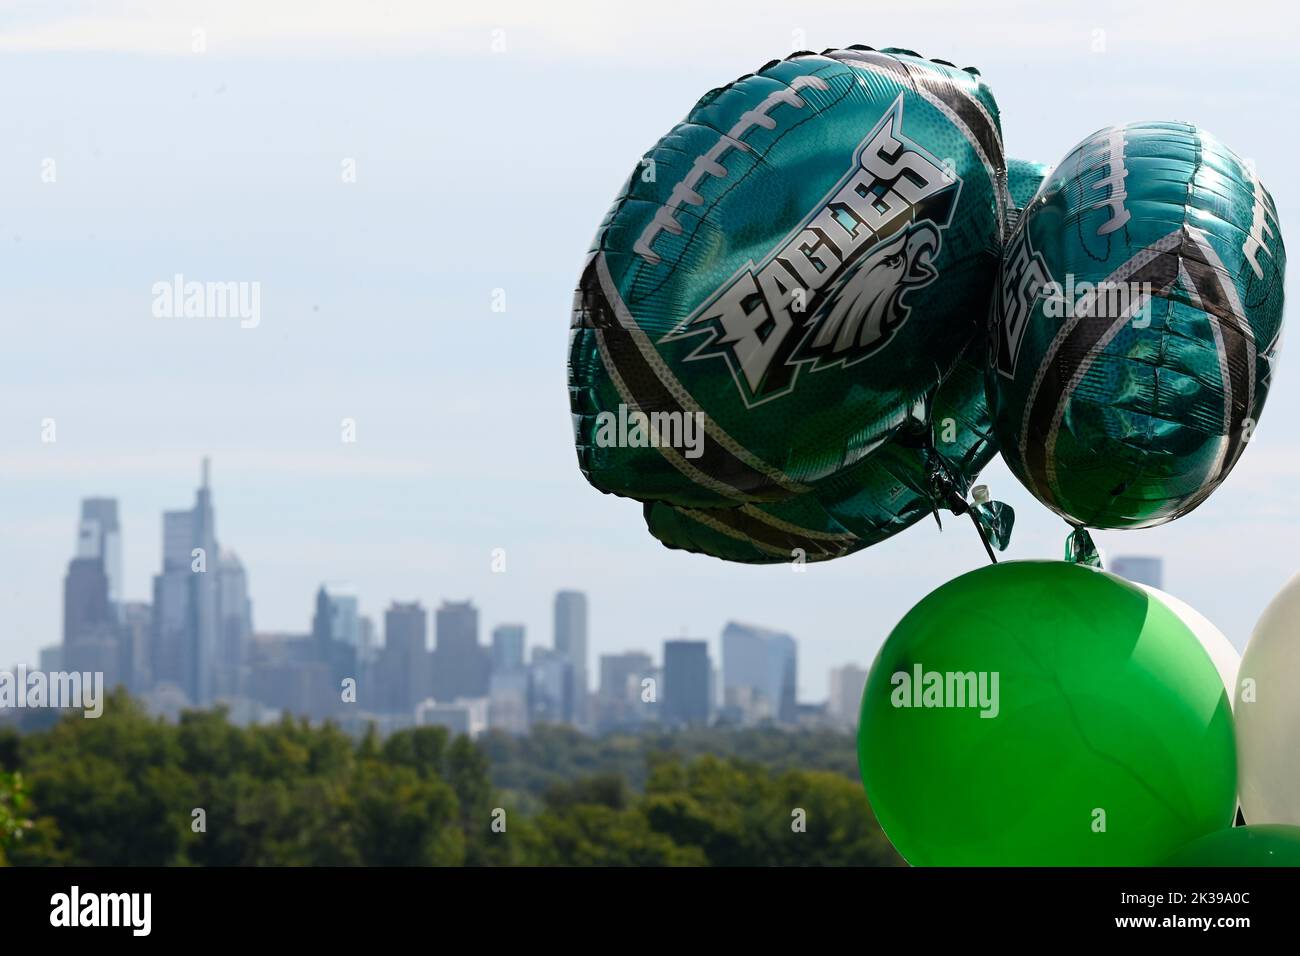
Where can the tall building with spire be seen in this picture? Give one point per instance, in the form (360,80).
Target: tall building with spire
(188,646)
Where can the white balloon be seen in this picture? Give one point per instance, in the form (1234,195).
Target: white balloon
(1268,714)
(1222,653)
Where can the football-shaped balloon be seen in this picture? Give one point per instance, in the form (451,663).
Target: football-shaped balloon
(784,275)
(1023,179)
(1136,322)
(871,500)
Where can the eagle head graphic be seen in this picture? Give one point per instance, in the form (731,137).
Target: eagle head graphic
(862,311)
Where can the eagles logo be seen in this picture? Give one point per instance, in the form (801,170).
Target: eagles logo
(832,293)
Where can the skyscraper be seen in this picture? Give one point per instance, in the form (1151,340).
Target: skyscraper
(759,673)
(405,663)
(335,633)
(571,642)
(187,644)
(235,612)
(134,643)
(688,678)
(507,647)
(552,687)
(847,683)
(619,699)
(1142,569)
(460,664)
(89,623)
(99,536)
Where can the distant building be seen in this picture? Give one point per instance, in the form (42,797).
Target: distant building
(571,641)
(187,616)
(468,716)
(460,664)
(845,702)
(87,614)
(135,642)
(507,647)
(759,674)
(99,536)
(810,716)
(552,687)
(619,701)
(336,634)
(52,658)
(509,697)
(687,679)
(235,625)
(286,673)
(90,616)
(406,669)
(1141,569)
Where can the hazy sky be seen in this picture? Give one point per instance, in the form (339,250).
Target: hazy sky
(481,168)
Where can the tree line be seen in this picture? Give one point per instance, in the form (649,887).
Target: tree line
(128,789)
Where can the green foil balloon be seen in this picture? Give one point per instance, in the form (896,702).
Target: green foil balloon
(1268,844)
(793,267)
(895,486)
(1045,714)
(910,476)
(1137,321)
(1023,179)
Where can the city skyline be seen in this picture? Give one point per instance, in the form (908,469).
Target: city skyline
(197,645)
(569,610)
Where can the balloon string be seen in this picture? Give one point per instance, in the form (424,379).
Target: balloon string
(979,529)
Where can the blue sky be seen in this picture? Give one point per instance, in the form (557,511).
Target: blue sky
(481,169)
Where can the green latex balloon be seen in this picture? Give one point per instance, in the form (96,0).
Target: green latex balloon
(1269,844)
(1108,740)
(1136,325)
(794,266)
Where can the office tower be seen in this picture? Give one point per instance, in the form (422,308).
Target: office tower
(552,687)
(687,682)
(86,611)
(571,641)
(1142,569)
(758,674)
(99,536)
(460,664)
(367,646)
(135,640)
(509,695)
(235,612)
(285,672)
(507,647)
(405,663)
(335,634)
(618,700)
(186,600)
(847,683)
(89,621)
(346,619)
